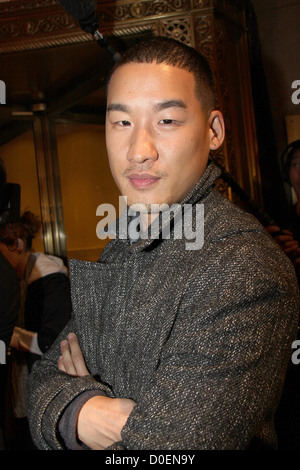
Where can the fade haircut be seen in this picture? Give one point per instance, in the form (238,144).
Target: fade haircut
(171,52)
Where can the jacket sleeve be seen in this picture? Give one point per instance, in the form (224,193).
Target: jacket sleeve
(9,300)
(222,369)
(50,391)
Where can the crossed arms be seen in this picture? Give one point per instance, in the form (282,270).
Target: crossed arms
(101,418)
(211,385)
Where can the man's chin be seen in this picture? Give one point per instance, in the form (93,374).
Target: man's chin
(145,207)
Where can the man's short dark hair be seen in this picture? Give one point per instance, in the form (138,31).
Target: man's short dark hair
(174,53)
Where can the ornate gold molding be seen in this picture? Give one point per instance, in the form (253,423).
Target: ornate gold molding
(28,24)
(131,10)
(179,28)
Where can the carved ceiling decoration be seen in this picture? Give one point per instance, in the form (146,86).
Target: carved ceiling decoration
(26,24)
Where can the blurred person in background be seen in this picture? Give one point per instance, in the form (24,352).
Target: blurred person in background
(9,301)
(289,238)
(45,308)
(9,284)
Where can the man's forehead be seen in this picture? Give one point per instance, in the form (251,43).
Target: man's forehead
(145,70)
(163,86)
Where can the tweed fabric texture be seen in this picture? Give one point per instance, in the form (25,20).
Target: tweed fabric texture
(199,339)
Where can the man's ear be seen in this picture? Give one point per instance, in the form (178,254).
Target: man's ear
(217,129)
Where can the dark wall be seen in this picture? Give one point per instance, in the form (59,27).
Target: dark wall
(279,31)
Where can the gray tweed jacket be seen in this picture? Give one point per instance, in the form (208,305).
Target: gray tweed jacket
(199,339)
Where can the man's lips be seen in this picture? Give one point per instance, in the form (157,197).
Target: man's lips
(142,180)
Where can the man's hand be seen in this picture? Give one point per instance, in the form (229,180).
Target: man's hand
(101,419)
(286,241)
(15,339)
(24,340)
(72,361)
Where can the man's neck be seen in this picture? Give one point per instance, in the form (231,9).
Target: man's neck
(147,219)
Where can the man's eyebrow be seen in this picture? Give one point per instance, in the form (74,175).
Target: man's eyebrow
(158,107)
(170,104)
(117,107)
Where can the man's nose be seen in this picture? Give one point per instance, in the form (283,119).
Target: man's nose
(142,146)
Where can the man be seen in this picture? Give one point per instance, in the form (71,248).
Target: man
(181,348)
(293,168)
(289,239)
(287,418)
(9,283)
(45,309)
(9,301)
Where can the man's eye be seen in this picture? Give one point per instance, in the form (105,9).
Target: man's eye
(123,123)
(166,121)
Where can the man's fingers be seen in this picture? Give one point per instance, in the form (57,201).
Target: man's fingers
(60,364)
(77,356)
(66,359)
(71,360)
